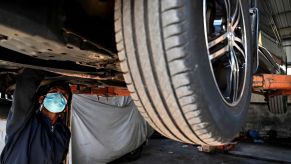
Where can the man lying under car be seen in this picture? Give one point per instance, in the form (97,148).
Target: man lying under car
(35,131)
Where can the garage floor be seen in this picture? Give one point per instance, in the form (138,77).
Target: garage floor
(160,151)
(165,151)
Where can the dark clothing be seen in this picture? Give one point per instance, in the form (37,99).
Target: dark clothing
(30,136)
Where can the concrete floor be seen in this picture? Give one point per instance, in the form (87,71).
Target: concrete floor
(160,151)
(164,151)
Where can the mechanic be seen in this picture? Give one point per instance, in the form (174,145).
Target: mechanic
(35,131)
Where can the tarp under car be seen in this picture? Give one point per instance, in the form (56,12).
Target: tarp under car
(105,128)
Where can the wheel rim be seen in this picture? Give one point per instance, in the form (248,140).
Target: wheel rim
(224,29)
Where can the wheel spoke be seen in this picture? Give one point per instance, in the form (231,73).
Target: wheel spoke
(217,40)
(238,40)
(230,83)
(239,49)
(235,12)
(234,75)
(218,53)
(236,21)
(231,77)
(227,7)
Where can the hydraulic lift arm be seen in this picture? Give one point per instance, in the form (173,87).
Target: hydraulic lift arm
(281,84)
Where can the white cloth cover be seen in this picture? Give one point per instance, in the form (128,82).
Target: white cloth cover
(2,133)
(4,108)
(105,128)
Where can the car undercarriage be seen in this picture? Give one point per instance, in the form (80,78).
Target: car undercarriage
(49,35)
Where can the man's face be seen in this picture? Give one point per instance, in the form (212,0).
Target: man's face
(51,115)
(56,89)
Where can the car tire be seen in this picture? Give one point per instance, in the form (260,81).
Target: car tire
(278,104)
(168,53)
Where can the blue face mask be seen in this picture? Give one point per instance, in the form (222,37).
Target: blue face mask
(55,102)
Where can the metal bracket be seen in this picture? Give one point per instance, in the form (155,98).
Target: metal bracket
(254,15)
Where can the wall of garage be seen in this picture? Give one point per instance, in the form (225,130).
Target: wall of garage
(287,48)
(260,119)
